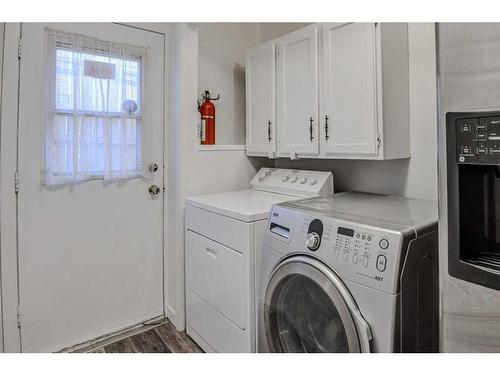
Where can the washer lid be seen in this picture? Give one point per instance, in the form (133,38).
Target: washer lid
(246,205)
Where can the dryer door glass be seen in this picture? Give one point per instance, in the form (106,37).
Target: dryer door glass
(304,312)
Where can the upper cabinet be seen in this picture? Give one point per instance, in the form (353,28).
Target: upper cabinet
(348,90)
(359,72)
(297,93)
(261,100)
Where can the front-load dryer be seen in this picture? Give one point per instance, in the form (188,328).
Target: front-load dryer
(350,273)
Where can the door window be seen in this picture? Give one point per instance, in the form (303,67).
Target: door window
(94,109)
(303,318)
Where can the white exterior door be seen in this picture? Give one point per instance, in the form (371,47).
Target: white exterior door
(297,99)
(261,100)
(348,93)
(90,254)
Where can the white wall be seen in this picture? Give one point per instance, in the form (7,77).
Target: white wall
(415,177)
(221,70)
(274,30)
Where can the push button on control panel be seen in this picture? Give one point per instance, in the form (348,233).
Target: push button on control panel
(481,150)
(381,263)
(494,150)
(355,259)
(465,128)
(384,244)
(481,135)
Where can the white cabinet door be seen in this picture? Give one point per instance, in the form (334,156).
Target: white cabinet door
(348,106)
(297,99)
(261,100)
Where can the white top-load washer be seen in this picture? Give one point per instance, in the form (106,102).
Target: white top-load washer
(223,231)
(354,272)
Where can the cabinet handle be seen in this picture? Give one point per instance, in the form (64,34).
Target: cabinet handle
(326,128)
(311,129)
(269,131)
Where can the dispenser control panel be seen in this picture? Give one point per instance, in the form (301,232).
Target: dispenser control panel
(478,140)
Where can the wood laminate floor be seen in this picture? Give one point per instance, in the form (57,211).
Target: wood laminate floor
(160,339)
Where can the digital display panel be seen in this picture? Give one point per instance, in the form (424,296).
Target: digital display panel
(345,231)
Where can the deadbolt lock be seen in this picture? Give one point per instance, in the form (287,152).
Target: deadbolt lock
(154,190)
(153,167)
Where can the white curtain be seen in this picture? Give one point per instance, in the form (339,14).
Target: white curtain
(94,123)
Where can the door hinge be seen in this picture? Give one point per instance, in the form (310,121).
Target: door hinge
(16,182)
(379,141)
(19,316)
(19,49)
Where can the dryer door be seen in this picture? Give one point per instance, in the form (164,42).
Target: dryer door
(309,309)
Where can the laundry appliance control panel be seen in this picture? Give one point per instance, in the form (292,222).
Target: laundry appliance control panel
(298,183)
(362,253)
(362,247)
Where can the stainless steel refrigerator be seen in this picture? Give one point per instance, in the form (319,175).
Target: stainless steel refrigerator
(469,185)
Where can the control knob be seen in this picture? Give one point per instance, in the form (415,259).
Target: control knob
(294,179)
(263,175)
(312,241)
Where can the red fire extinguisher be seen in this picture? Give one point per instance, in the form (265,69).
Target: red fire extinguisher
(207,112)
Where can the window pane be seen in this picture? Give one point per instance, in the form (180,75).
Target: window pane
(123,145)
(62,148)
(94,122)
(76,91)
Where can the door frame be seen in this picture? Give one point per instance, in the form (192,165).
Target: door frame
(10,333)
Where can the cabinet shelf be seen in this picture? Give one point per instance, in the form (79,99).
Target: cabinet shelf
(221,147)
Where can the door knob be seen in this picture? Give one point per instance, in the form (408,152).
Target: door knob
(153,167)
(154,190)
